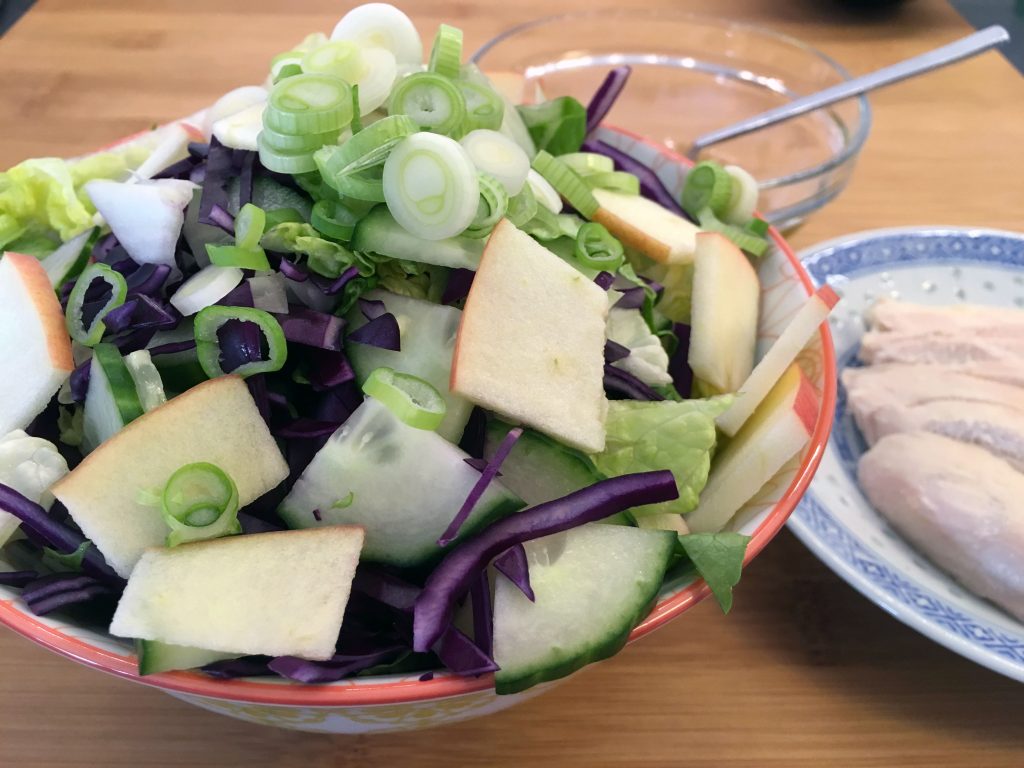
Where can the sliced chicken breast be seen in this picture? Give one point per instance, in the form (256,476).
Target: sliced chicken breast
(958,504)
(996,428)
(891,315)
(941,347)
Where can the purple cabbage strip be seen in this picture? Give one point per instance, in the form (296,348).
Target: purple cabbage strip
(385,588)
(339,402)
(337,668)
(328,369)
(103,247)
(311,328)
(219,217)
(173,347)
(452,577)
(460,280)
(604,280)
(372,308)
(179,170)
(512,564)
(68,599)
(154,313)
(475,434)
(17,578)
(632,298)
(306,428)
(258,389)
(55,583)
(678,365)
(239,296)
(625,383)
(247,666)
(461,655)
(651,186)
(475,494)
(219,170)
(134,340)
(198,149)
(483,613)
(426,676)
(334,287)
(601,104)
(198,174)
(80,381)
(120,317)
(614,351)
(253,524)
(381,331)
(292,271)
(245,179)
(57,535)
(147,280)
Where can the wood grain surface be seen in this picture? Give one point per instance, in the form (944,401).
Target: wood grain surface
(804,672)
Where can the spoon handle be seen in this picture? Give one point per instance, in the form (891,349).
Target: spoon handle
(940,57)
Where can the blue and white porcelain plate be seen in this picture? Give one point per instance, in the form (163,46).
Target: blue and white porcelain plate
(927,265)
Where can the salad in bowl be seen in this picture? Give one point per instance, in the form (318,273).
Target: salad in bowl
(371,371)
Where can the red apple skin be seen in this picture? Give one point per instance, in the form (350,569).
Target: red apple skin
(805,404)
(828,296)
(47,307)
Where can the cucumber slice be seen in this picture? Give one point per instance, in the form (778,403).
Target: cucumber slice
(428,341)
(617,568)
(111,400)
(378,232)
(179,371)
(540,469)
(402,484)
(155,656)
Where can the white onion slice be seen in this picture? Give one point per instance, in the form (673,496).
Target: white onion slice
(496,154)
(269,294)
(544,192)
(384,26)
(240,130)
(207,286)
(744,196)
(233,102)
(379,73)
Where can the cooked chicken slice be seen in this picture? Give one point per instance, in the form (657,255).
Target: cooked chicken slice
(960,505)
(940,347)
(890,315)
(996,428)
(901,384)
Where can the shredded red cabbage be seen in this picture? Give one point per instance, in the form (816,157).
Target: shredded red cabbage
(372,308)
(632,298)
(220,168)
(601,104)
(80,381)
(62,590)
(382,331)
(334,287)
(57,535)
(338,668)
(103,247)
(460,280)
(247,666)
(17,578)
(182,169)
(624,383)
(306,428)
(328,369)
(483,614)
(245,176)
(292,271)
(172,347)
(651,186)
(604,280)
(461,655)
(512,564)
(678,365)
(489,473)
(452,577)
(614,351)
(311,328)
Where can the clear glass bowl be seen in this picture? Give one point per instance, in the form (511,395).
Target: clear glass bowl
(691,75)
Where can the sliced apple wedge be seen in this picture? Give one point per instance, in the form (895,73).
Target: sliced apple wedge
(145,217)
(530,345)
(775,361)
(723,316)
(653,230)
(779,428)
(217,422)
(278,594)
(34,342)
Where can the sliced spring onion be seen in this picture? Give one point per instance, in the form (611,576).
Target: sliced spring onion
(446,55)
(432,101)
(297,143)
(566,182)
(288,70)
(742,238)
(334,219)
(200,501)
(569,224)
(292,59)
(615,181)
(598,249)
(237,256)
(377,78)
(484,107)
(340,58)
(356,125)
(207,286)
(250,223)
(545,194)
(367,185)
(743,202)
(758,227)
(708,185)
(544,225)
(367,148)
(496,154)
(585,163)
(284,162)
(411,399)
(491,209)
(208,323)
(431,186)
(148,384)
(90,336)
(522,207)
(309,103)
(382,25)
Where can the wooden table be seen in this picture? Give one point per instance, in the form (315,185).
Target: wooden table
(804,672)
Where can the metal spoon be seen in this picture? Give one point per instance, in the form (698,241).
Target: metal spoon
(962,49)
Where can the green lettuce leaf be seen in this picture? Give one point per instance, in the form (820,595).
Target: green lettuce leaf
(325,257)
(678,436)
(718,557)
(558,126)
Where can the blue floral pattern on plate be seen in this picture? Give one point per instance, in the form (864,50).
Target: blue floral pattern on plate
(926,265)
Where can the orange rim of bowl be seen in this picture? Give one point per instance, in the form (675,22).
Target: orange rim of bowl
(443,685)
